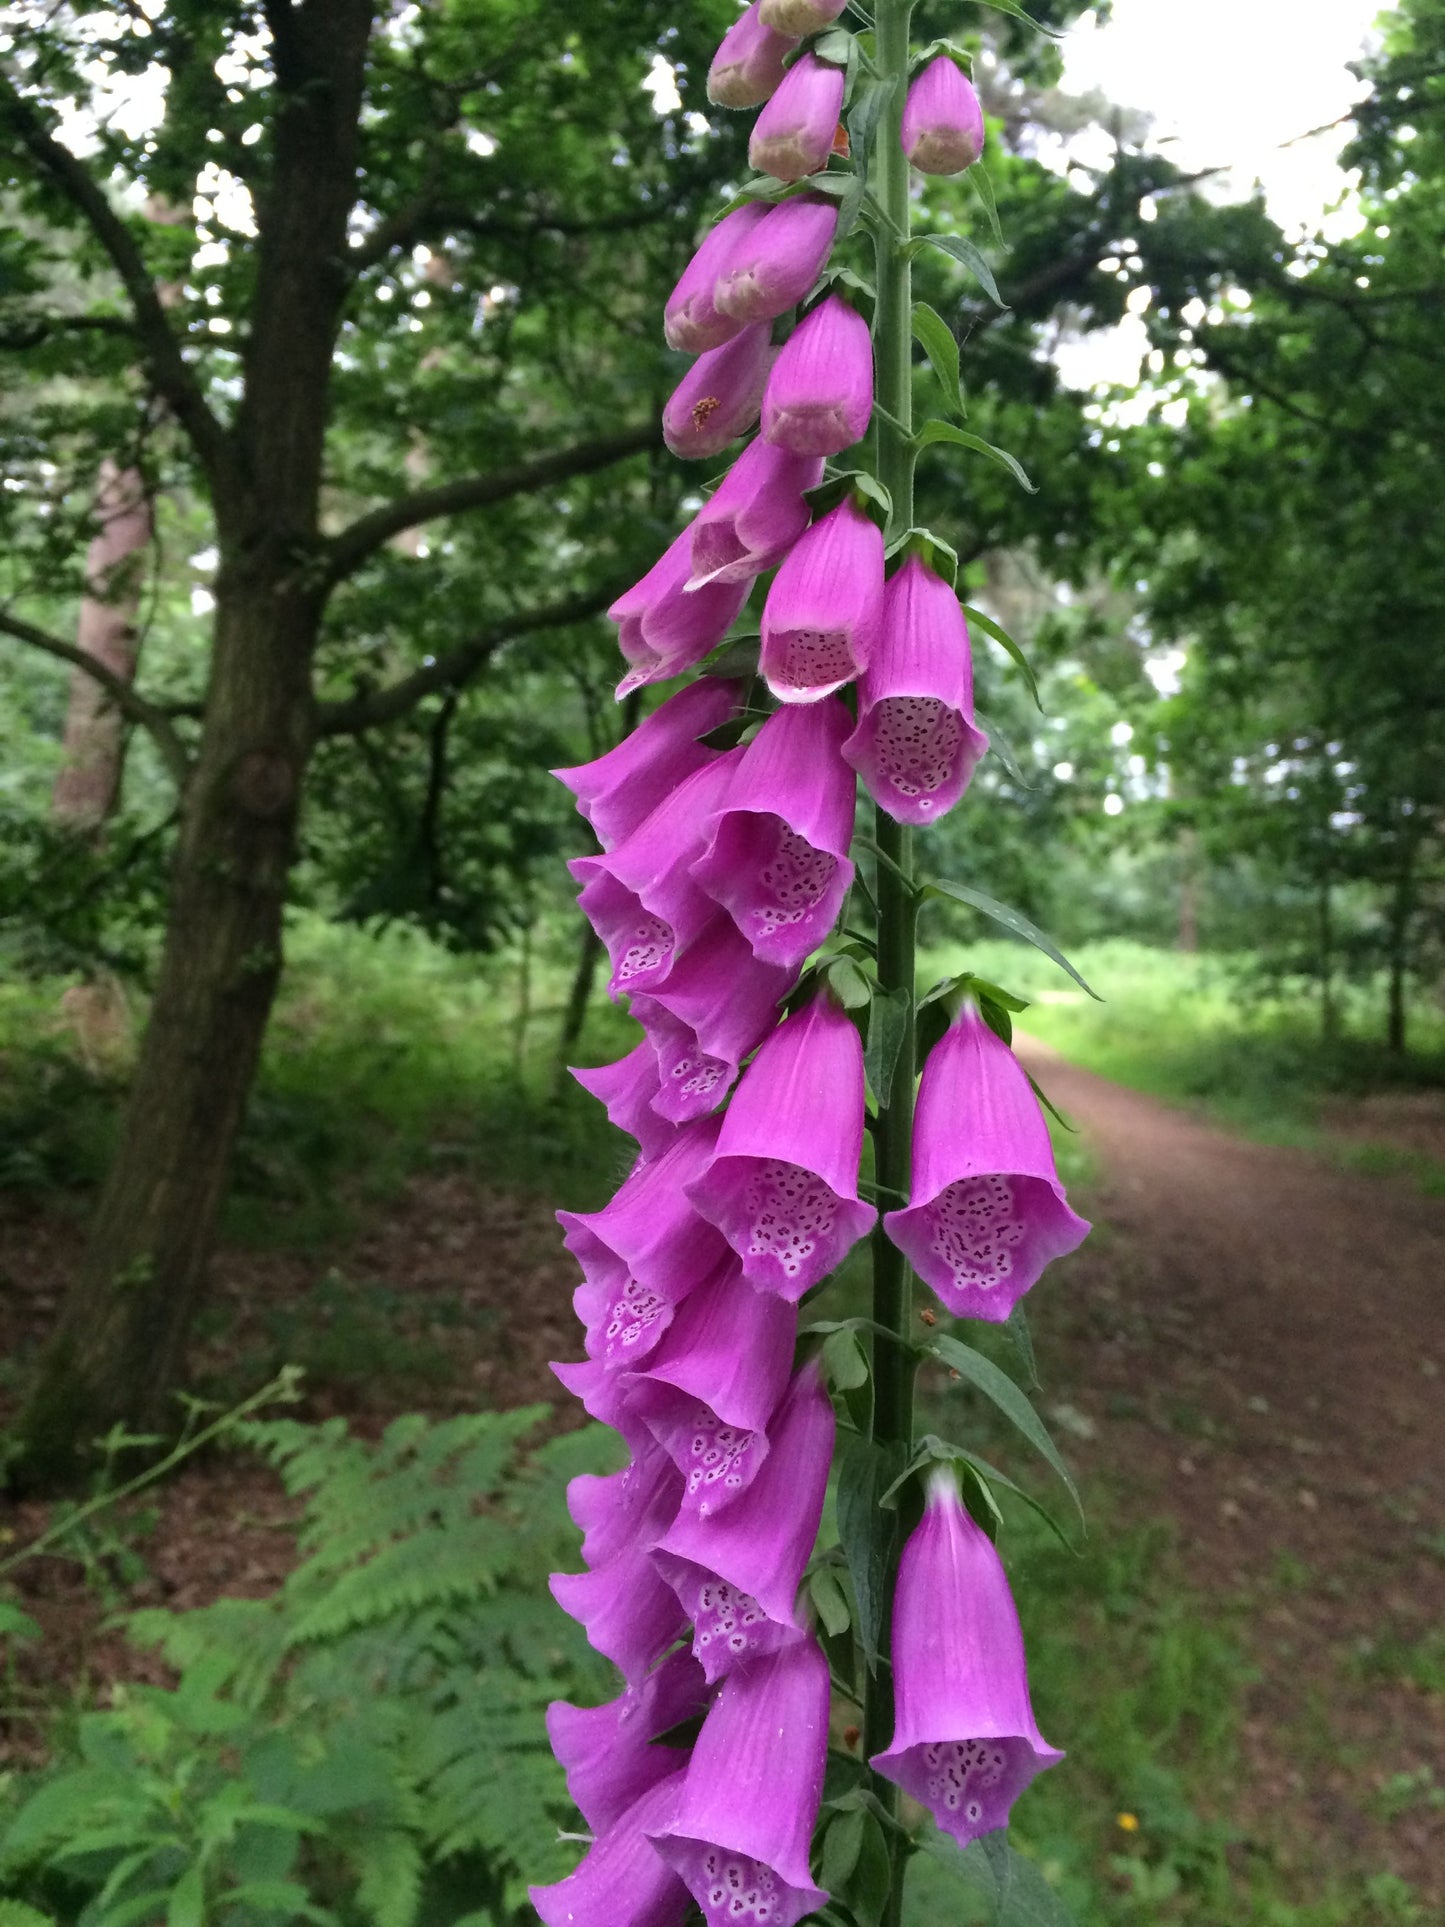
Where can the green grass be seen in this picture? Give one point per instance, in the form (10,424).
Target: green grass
(1199,1030)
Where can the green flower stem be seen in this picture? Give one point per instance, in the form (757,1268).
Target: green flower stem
(893,1364)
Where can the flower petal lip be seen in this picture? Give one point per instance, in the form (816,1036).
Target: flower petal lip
(819,397)
(821,617)
(692,323)
(619,790)
(916,744)
(748,65)
(793,135)
(751,1793)
(608,1752)
(942,131)
(622,1860)
(719,397)
(776,263)
(754,516)
(782,1185)
(663,629)
(626,1091)
(965,1742)
(775,855)
(986,1210)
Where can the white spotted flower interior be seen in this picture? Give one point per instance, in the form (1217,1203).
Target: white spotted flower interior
(986,1211)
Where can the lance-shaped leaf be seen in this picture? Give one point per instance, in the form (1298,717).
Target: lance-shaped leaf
(1011,919)
(966,253)
(1002,1392)
(945,432)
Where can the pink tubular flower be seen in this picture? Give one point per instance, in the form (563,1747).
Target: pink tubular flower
(749,63)
(718,398)
(986,1210)
(627,1612)
(916,743)
(749,1801)
(822,612)
(776,857)
(713,1008)
(691,321)
(626,1091)
(627,1510)
(965,1743)
(942,120)
(617,791)
(819,396)
(774,264)
(782,1186)
(799,16)
(622,1860)
(793,135)
(607,1752)
(640,897)
(737,1571)
(756,514)
(663,629)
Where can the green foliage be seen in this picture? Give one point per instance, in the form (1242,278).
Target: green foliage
(366,1745)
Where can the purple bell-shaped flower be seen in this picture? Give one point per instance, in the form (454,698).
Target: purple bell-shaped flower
(609,1753)
(622,1881)
(986,1210)
(626,1091)
(916,743)
(749,1800)
(692,322)
(965,1742)
(819,397)
(748,66)
(793,135)
(774,264)
(719,397)
(737,1569)
(712,1009)
(618,791)
(776,856)
(782,1185)
(821,618)
(755,515)
(662,627)
(628,1613)
(640,898)
(942,120)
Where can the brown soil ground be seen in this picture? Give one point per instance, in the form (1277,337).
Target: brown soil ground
(1253,1340)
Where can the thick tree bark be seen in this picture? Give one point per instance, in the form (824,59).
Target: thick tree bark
(120,1344)
(88,785)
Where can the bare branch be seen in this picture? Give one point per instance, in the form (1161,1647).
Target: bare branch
(29,334)
(133,706)
(345,552)
(453,670)
(173,379)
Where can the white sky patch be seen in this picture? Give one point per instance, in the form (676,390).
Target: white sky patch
(661,83)
(1165,669)
(1237,84)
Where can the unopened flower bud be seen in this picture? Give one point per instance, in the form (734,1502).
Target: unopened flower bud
(748,67)
(820,394)
(942,120)
(691,320)
(793,135)
(776,263)
(719,397)
(799,16)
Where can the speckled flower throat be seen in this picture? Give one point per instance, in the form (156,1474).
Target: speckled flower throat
(779,1690)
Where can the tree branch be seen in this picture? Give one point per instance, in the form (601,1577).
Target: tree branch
(173,380)
(423,214)
(376,707)
(132,705)
(29,334)
(345,552)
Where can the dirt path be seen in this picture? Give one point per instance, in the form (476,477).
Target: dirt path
(1257,1341)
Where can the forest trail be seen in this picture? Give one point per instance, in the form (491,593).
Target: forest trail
(1253,1344)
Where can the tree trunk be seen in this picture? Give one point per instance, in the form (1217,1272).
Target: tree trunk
(1329,1004)
(88,786)
(1187,939)
(119,1348)
(1402,912)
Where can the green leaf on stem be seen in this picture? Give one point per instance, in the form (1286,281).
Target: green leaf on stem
(978,180)
(868,1533)
(850,206)
(842,1844)
(1006,642)
(836,47)
(927,55)
(1049,1105)
(864,113)
(848,279)
(946,432)
(1011,919)
(871,1881)
(857,481)
(738,656)
(825,1589)
(887,1027)
(1010,1399)
(999,744)
(844,1363)
(932,551)
(996,1877)
(1017,1327)
(848,984)
(1016,12)
(941,347)
(968,255)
